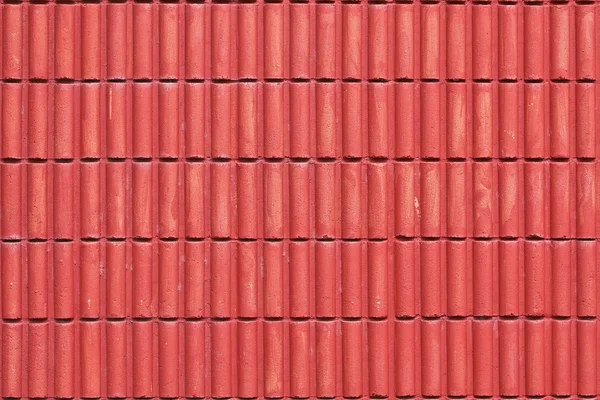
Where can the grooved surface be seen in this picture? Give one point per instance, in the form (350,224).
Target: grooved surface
(273,200)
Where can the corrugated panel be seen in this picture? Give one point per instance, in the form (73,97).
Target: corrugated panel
(331,199)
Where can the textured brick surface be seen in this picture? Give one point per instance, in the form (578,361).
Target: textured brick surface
(299,199)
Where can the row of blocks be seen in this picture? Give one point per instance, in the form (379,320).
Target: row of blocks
(299,280)
(300,120)
(300,41)
(221,200)
(275,359)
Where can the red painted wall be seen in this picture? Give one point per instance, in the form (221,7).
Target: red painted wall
(299,199)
